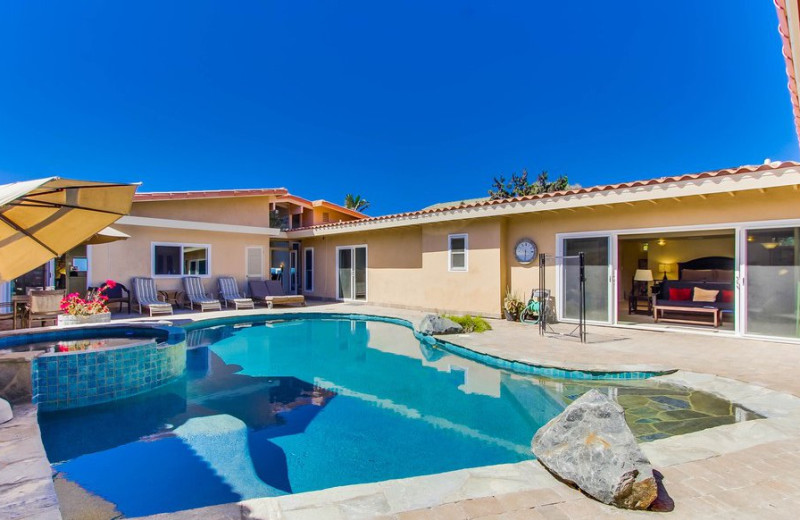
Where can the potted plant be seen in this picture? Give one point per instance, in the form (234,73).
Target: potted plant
(91,309)
(512,305)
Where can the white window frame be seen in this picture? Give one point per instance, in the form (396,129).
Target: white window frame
(450,267)
(153,246)
(306,250)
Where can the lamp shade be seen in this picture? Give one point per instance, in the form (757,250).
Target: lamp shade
(643,275)
(663,268)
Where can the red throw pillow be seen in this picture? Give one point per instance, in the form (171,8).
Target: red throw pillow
(727,296)
(680,294)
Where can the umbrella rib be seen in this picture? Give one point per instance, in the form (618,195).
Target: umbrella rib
(50,191)
(26,233)
(44,204)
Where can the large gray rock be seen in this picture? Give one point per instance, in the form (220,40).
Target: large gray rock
(433,324)
(590,446)
(5,411)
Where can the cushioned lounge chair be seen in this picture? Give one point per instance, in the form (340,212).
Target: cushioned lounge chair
(197,296)
(145,296)
(229,293)
(259,293)
(275,289)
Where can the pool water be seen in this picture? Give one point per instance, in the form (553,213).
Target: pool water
(294,406)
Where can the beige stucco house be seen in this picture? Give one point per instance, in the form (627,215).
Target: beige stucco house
(461,257)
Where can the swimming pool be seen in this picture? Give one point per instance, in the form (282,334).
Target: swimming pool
(281,407)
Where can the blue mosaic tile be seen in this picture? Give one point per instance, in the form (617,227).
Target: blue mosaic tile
(93,377)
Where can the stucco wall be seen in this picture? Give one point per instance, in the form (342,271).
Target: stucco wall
(409,267)
(244,211)
(132,257)
(772,204)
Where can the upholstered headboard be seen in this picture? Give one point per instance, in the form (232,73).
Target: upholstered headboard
(722,263)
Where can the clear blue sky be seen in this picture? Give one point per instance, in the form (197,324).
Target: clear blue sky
(407,103)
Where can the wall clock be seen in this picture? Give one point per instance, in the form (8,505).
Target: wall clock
(525,251)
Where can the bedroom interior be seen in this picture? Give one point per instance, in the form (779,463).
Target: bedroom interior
(687,278)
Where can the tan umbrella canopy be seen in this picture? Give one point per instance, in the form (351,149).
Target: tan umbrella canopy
(45,218)
(106,235)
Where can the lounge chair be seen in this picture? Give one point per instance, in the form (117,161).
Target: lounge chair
(275,290)
(196,295)
(259,293)
(229,293)
(45,306)
(146,296)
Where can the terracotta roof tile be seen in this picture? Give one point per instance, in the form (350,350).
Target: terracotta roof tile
(783,29)
(576,191)
(208,194)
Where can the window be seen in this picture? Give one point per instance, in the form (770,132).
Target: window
(308,269)
(458,252)
(181,259)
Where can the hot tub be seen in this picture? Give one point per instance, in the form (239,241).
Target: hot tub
(71,368)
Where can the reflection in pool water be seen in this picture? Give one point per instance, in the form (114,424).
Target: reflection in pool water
(295,406)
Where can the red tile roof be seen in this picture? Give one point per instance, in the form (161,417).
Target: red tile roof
(783,29)
(576,191)
(208,194)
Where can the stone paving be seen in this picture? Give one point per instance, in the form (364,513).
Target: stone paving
(742,470)
(26,482)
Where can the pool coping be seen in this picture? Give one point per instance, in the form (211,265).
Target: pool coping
(781,421)
(390,497)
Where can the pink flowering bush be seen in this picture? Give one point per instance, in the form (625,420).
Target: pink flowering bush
(94,303)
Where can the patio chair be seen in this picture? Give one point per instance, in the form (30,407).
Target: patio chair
(259,293)
(146,296)
(229,293)
(7,314)
(275,290)
(44,306)
(119,294)
(196,295)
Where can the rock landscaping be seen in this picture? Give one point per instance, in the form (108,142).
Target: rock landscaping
(433,325)
(590,446)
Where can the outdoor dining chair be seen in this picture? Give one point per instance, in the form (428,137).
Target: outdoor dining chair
(44,306)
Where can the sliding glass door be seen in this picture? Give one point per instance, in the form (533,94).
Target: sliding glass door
(351,273)
(597,258)
(772,281)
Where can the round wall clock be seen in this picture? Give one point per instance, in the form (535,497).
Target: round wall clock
(525,251)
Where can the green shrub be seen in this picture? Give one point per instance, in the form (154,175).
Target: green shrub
(471,323)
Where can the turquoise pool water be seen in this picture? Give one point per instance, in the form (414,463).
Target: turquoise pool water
(301,405)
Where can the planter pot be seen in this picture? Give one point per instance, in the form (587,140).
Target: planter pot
(66,320)
(509,316)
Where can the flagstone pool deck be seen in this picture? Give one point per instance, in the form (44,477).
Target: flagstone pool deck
(743,470)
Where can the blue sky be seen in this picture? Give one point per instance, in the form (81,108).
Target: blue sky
(406,103)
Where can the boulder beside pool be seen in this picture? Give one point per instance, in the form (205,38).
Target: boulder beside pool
(590,446)
(433,324)
(5,411)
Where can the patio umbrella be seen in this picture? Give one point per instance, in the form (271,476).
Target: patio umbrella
(106,235)
(45,218)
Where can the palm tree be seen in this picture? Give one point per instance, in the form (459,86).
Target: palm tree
(355,202)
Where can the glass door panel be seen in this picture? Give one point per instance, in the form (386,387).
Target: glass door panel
(598,286)
(345,274)
(361,273)
(772,282)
